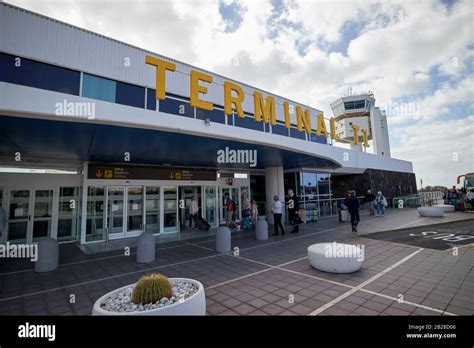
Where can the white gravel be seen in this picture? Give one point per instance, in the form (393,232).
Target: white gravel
(122,301)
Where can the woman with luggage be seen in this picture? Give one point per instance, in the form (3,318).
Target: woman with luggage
(193,213)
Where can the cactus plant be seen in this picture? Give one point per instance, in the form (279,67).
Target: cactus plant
(151,288)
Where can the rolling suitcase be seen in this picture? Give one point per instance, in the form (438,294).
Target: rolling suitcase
(344,215)
(202,224)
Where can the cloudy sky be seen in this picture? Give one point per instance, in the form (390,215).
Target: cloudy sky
(415,55)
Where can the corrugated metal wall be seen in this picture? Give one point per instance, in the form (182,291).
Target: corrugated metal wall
(37,37)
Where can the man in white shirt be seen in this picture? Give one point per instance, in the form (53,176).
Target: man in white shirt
(277,212)
(193,211)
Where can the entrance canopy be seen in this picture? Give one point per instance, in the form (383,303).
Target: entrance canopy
(56,141)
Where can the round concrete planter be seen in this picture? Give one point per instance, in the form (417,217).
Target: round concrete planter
(447,208)
(193,305)
(431,211)
(146,252)
(261,230)
(350,260)
(223,242)
(48,255)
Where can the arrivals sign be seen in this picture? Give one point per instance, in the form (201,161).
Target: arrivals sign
(264,108)
(125,172)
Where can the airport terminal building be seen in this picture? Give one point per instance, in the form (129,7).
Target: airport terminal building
(101,140)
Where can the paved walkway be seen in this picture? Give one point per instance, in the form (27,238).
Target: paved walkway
(270,277)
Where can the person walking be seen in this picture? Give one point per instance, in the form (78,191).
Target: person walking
(353,207)
(254,211)
(193,213)
(380,204)
(229,212)
(293,210)
(277,212)
(369,202)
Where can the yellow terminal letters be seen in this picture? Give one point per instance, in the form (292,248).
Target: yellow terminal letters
(264,108)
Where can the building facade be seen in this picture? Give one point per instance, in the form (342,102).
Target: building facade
(91,151)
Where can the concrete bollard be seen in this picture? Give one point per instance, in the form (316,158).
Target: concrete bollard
(261,231)
(146,248)
(48,255)
(223,244)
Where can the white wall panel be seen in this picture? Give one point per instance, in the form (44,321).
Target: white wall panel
(42,104)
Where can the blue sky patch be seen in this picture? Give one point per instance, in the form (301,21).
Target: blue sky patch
(232,15)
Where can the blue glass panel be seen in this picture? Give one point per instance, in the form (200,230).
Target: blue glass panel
(177,107)
(248,122)
(151,99)
(323,184)
(309,179)
(127,94)
(230,119)
(318,138)
(29,73)
(294,133)
(60,80)
(98,88)
(280,129)
(215,115)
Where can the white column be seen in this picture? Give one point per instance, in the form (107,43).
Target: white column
(274,185)
(85,169)
(380,136)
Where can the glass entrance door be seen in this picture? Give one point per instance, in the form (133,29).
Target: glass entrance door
(186,195)
(42,215)
(170,209)
(234,195)
(19,216)
(237,194)
(152,219)
(115,210)
(96,218)
(124,211)
(30,215)
(210,205)
(134,210)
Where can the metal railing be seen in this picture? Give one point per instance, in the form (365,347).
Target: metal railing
(418,200)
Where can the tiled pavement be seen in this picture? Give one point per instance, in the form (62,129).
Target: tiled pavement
(270,277)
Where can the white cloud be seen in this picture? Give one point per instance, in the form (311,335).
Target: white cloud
(400,47)
(439,150)
(438,104)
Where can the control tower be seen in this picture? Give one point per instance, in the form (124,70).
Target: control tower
(360,110)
